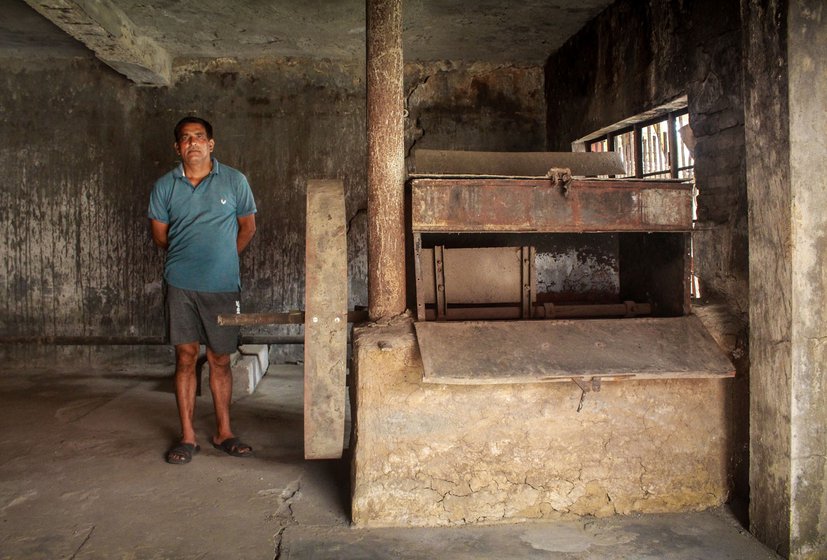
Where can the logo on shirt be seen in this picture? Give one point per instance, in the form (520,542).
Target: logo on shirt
(223,201)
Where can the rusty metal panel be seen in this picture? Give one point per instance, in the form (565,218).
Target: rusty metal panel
(477,275)
(534,351)
(325,327)
(665,207)
(529,205)
(516,164)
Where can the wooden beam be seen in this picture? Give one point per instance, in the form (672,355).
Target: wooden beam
(107,31)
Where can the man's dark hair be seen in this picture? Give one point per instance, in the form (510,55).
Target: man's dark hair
(197,120)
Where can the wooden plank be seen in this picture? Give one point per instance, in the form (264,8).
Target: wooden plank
(471,353)
(516,164)
(536,205)
(325,327)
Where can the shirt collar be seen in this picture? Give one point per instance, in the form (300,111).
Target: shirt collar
(214,171)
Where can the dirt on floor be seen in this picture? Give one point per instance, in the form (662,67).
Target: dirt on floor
(83,476)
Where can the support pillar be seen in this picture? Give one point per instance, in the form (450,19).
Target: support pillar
(785,92)
(386,159)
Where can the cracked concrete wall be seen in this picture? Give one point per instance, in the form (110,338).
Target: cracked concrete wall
(430,454)
(634,57)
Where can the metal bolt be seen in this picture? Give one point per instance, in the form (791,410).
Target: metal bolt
(337,320)
(315,319)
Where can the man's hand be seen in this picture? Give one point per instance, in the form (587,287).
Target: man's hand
(246,231)
(159,233)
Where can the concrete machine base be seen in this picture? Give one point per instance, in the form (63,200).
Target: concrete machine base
(440,455)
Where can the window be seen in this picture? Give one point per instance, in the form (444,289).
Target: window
(655,145)
(647,146)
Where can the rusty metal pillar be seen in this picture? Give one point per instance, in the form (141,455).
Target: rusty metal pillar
(386,159)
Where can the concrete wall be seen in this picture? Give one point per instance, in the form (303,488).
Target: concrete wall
(478,106)
(81,146)
(785,50)
(807,57)
(636,56)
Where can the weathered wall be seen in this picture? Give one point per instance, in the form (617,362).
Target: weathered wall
(785,47)
(81,147)
(453,106)
(636,56)
(807,58)
(435,454)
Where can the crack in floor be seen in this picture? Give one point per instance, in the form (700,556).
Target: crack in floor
(285,514)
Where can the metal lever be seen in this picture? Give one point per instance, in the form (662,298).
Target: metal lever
(584,388)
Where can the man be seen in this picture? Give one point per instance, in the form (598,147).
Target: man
(203,214)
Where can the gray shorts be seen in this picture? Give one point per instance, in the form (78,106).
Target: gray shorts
(193,317)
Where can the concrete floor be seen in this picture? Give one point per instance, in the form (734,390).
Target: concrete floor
(82,476)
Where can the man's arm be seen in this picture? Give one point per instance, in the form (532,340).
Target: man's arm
(159,233)
(246,231)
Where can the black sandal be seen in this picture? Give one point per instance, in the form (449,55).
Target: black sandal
(182,453)
(235,447)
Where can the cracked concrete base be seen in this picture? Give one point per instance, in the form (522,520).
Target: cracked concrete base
(83,477)
(437,455)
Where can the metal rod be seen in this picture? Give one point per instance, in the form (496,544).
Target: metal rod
(439,278)
(270,339)
(544,311)
(672,135)
(84,340)
(290,318)
(136,340)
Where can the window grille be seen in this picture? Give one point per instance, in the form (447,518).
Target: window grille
(652,149)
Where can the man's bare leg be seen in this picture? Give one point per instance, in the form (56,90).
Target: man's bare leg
(221,385)
(186,356)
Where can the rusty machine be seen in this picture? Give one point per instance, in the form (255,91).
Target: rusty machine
(496,240)
(526,273)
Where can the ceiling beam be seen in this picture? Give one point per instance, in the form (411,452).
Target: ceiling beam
(112,36)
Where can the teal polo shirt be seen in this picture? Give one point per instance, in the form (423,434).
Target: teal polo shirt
(203,227)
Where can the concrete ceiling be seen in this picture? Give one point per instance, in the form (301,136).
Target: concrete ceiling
(142,39)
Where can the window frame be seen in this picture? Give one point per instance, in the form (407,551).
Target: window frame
(671,116)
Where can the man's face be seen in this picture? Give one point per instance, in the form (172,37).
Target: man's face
(193,145)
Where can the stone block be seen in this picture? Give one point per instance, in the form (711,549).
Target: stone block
(440,455)
(246,375)
(248,367)
(260,351)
